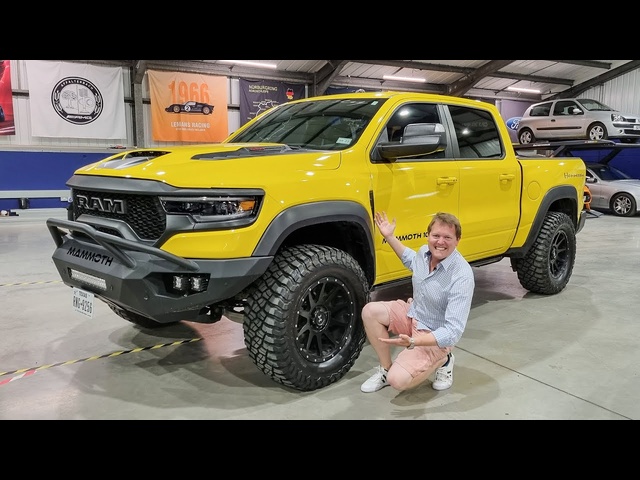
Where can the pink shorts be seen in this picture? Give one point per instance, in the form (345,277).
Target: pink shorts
(419,359)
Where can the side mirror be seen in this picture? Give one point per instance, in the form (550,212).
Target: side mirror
(417,139)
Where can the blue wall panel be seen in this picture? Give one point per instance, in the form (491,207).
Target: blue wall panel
(40,171)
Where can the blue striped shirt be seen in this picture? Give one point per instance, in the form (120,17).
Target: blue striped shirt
(442,298)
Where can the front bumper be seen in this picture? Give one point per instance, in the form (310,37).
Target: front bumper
(135,274)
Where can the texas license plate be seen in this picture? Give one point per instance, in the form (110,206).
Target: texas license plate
(83,302)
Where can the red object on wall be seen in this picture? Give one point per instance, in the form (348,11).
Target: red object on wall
(7,125)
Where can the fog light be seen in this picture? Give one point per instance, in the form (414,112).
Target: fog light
(87,279)
(198,284)
(180,282)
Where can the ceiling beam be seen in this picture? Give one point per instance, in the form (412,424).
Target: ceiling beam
(585,63)
(460,87)
(435,67)
(325,76)
(599,80)
(465,70)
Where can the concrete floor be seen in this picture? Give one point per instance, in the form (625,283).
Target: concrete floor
(523,356)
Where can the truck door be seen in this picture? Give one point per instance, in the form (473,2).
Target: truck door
(490,182)
(412,189)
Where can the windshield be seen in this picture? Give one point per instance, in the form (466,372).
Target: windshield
(333,124)
(594,105)
(609,173)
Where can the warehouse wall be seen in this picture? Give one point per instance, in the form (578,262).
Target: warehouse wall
(38,167)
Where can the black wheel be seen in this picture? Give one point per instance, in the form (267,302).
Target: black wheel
(597,131)
(139,320)
(547,267)
(623,205)
(176,109)
(302,324)
(526,136)
(206,110)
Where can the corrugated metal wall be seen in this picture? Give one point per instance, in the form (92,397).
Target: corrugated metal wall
(621,93)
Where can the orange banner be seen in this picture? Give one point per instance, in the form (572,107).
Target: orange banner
(188,107)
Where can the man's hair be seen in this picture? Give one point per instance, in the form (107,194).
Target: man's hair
(447,219)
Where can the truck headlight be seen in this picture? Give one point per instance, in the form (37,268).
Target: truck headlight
(213,208)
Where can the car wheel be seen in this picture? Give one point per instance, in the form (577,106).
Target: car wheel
(176,109)
(526,136)
(623,205)
(547,266)
(597,131)
(302,324)
(206,110)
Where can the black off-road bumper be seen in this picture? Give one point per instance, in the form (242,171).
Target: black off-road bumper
(134,275)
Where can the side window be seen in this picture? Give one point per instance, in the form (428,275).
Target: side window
(477,133)
(541,110)
(564,107)
(408,114)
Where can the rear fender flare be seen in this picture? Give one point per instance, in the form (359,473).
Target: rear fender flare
(553,200)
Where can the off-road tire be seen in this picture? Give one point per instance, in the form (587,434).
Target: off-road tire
(547,267)
(302,324)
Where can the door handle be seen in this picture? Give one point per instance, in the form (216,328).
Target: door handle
(446,181)
(506,177)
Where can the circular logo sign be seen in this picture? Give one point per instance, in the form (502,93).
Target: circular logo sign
(77,100)
(513,122)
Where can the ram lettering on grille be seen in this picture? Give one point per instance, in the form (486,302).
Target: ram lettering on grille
(106,205)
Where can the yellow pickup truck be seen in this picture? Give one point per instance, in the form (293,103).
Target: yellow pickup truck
(276,222)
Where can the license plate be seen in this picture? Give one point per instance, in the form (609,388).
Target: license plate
(83,302)
(636,127)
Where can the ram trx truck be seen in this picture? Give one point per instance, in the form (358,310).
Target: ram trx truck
(276,222)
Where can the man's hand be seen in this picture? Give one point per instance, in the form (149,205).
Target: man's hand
(384,225)
(401,340)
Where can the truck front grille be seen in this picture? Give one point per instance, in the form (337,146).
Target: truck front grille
(143,213)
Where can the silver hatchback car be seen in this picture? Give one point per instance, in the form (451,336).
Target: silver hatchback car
(576,118)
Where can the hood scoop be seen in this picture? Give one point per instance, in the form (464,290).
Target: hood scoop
(130,159)
(254,151)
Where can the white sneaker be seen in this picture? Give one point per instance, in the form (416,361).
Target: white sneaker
(377,381)
(444,376)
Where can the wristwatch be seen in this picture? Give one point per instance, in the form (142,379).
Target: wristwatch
(412,343)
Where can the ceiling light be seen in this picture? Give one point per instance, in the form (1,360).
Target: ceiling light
(404,79)
(528,90)
(250,63)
